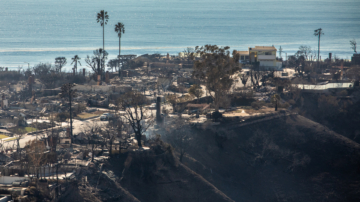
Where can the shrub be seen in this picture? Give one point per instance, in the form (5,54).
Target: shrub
(284,105)
(10,76)
(61,117)
(343,93)
(80,108)
(257,105)
(292,102)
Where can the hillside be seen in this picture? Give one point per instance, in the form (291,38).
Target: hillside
(149,175)
(156,175)
(290,158)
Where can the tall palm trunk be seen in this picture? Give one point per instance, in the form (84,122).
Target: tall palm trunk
(119,46)
(104,37)
(103,58)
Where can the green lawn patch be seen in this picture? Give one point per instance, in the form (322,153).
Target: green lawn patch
(30,129)
(22,130)
(2,136)
(85,115)
(14,138)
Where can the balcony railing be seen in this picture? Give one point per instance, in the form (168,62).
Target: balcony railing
(266,57)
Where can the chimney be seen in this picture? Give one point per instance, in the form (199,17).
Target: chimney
(158,107)
(2,101)
(342,71)
(107,80)
(167,56)
(83,71)
(330,56)
(98,79)
(30,82)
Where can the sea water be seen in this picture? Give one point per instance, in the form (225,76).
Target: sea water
(34,31)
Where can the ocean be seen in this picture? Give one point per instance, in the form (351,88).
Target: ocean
(34,31)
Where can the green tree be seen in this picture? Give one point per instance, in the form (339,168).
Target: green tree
(113,63)
(119,28)
(196,91)
(215,68)
(172,99)
(75,61)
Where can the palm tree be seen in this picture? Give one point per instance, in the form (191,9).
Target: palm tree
(75,61)
(102,18)
(318,32)
(119,28)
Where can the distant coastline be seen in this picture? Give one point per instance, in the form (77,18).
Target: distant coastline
(39,31)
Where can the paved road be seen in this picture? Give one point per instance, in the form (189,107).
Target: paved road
(77,124)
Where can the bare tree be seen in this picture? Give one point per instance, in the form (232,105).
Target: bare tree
(255,76)
(275,99)
(179,135)
(111,131)
(136,114)
(353,44)
(91,132)
(96,62)
(68,93)
(244,78)
(304,51)
(187,54)
(59,63)
(35,151)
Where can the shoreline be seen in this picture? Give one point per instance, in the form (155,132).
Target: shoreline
(14,60)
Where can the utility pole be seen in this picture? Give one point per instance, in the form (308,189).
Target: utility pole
(318,32)
(68,93)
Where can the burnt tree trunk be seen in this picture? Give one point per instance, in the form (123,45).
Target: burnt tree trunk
(138,138)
